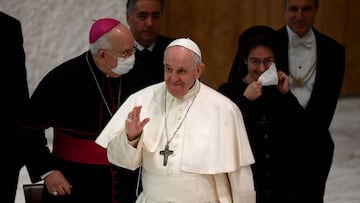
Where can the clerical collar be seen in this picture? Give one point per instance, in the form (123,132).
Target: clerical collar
(150,48)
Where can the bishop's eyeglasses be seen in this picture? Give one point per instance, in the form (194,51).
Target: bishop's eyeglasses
(123,54)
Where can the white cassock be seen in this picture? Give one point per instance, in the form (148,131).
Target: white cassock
(211,153)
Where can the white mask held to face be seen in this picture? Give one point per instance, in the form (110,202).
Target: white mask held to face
(124,65)
(269,77)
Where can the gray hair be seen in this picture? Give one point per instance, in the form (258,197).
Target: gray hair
(316,3)
(130,5)
(196,59)
(101,43)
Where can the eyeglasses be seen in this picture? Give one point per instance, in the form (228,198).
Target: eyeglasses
(124,54)
(257,62)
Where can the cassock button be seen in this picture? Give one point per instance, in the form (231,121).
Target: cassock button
(267,156)
(266,136)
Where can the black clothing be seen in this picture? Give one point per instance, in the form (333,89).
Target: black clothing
(68,100)
(14,97)
(268,121)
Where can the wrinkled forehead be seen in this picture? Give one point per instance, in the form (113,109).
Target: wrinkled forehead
(178,56)
(178,52)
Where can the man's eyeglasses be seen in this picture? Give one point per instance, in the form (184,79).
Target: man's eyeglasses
(257,62)
(124,54)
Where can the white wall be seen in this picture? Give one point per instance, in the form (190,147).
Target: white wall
(57,30)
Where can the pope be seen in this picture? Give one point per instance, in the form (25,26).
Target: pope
(189,139)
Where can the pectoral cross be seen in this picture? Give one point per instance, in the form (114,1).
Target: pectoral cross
(166,152)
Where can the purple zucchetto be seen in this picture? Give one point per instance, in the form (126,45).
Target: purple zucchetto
(100,27)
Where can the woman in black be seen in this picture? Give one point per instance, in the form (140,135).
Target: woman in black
(267,111)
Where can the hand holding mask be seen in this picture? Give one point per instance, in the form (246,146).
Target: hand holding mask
(269,77)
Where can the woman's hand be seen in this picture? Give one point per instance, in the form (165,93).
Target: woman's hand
(283,84)
(253,91)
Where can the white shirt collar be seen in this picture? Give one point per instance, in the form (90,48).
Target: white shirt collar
(150,48)
(309,36)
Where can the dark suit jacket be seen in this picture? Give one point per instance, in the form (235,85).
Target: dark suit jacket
(14,95)
(318,147)
(13,64)
(328,81)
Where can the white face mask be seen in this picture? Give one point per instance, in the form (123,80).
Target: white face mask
(269,77)
(124,65)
